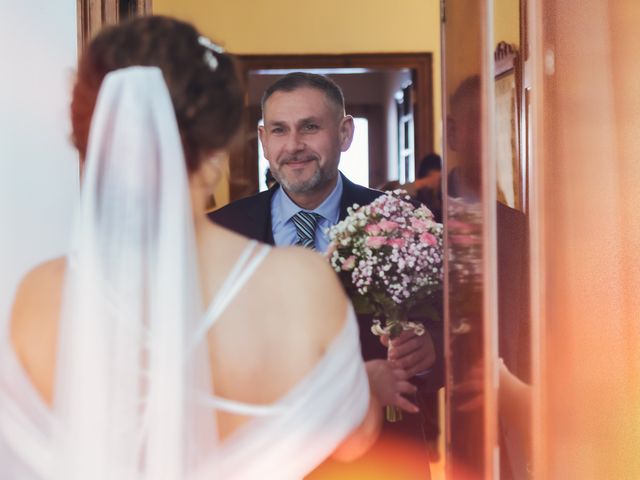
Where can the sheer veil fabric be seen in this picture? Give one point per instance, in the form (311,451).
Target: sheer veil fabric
(133,394)
(125,382)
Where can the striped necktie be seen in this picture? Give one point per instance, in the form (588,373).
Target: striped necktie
(305,223)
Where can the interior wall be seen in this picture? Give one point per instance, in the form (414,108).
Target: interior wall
(333,27)
(38,166)
(506,21)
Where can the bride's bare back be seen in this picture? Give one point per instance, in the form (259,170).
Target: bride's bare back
(276,329)
(270,335)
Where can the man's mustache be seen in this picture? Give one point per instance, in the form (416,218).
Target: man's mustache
(297,159)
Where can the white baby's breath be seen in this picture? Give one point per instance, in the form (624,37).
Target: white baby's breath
(396,250)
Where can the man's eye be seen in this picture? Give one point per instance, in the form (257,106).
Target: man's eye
(311,127)
(277,130)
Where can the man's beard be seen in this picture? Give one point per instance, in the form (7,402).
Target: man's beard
(320,177)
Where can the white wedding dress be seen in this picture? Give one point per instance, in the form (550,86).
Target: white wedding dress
(133,394)
(284,440)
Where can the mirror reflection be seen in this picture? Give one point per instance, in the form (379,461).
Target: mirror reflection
(512,233)
(468,340)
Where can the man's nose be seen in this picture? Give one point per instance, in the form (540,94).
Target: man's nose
(294,143)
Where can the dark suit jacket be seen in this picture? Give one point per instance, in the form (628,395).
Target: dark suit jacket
(514,327)
(251,217)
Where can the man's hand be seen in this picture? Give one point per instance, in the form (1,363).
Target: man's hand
(413,353)
(389,383)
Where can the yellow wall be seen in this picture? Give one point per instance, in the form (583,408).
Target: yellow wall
(331,26)
(506,15)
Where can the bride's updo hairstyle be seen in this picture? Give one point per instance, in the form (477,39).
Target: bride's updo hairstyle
(203,83)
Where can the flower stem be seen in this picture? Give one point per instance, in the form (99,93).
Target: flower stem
(394,323)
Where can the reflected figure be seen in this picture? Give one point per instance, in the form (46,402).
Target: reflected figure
(464,138)
(465,227)
(465,235)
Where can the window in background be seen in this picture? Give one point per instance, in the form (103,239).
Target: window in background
(354,163)
(406,139)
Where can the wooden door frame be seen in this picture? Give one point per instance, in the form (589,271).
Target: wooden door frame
(93,15)
(243,169)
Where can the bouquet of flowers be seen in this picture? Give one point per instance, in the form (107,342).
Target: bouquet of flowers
(389,257)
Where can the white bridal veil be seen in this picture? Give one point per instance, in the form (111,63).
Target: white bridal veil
(127,381)
(133,394)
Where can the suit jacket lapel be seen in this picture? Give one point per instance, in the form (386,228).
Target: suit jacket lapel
(258,214)
(348,196)
(354,193)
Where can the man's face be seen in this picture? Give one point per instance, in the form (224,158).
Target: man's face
(302,137)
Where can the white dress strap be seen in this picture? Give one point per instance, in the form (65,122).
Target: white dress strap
(241,408)
(242,270)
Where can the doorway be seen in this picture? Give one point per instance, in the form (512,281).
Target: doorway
(370,83)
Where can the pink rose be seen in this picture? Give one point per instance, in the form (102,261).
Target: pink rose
(349,263)
(375,242)
(396,242)
(407,233)
(419,224)
(372,229)
(388,225)
(428,239)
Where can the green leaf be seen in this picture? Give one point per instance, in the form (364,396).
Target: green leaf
(362,305)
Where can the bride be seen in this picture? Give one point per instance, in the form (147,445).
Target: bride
(163,346)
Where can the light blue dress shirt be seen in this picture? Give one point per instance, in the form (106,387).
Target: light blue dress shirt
(283,208)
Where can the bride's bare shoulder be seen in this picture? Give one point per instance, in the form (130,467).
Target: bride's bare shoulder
(306,283)
(39,290)
(35,313)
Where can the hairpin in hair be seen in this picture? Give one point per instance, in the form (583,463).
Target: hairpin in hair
(209,57)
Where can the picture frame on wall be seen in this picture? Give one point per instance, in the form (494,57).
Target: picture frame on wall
(509,171)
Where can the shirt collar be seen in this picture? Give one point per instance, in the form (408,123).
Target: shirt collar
(328,209)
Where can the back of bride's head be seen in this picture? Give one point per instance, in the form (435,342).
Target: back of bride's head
(203,83)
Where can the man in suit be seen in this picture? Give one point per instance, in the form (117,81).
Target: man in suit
(514,324)
(305,130)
